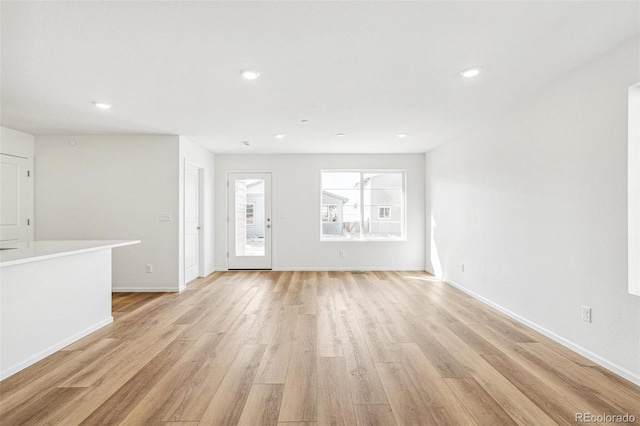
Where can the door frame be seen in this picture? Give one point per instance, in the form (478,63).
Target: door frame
(30,197)
(200,196)
(228,221)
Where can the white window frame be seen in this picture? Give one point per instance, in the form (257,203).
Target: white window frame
(634,191)
(362,238)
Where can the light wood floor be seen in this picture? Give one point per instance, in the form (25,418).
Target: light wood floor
(293,348)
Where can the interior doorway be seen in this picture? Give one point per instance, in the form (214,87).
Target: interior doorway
(192,222)
(14,201)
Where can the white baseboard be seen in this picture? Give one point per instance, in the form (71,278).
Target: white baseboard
(429,271)
(66,342)
(348,268)
(145,290)
(609,365)
(340,268)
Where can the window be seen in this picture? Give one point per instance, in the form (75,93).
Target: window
(330,213)
(362,205)
(383,212)
(250,213)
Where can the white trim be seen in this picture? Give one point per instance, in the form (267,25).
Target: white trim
(633,216)
(338,268)
(66,342)
(348,268)
(147,289)
(609,365)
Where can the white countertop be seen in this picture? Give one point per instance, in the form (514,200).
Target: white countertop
(41,250)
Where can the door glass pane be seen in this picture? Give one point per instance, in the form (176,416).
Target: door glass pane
(250,223)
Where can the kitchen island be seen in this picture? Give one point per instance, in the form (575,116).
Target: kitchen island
(52,293)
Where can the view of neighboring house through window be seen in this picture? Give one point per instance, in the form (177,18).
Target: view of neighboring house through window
(250,212)
(384,212)
(363,205)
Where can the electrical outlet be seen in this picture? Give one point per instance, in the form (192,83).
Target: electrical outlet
(149,269)
(586,313)
(341,253)
(462,267)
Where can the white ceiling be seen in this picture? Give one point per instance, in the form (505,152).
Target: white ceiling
(367,69)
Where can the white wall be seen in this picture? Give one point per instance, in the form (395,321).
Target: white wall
(114,188)
(535,205)
(16,143)
(205,160)
(296,195)
(19,144)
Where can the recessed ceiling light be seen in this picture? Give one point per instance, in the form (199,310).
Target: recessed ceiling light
(279,135)
(246,143)
(102,105)
(402,135)
(250,74)
(471,72)
(341,135)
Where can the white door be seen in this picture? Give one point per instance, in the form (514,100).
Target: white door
(14,200)
(191,223)
(250,222)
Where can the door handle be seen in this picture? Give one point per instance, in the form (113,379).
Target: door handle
(268,226)
(198,228)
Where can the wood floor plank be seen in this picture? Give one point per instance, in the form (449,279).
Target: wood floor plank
(332,347)
(299,400)
(329,342)
(364,382)
(570,388)
(268,320)
(339,294)
(538,392)
(226,406)
(205,383)
(262,406)
(308,297)
(380,348)
(608,391)
(442,404)
(334,398)
(324,297)
(116,408)
(391,317)
(34,411)
(274,365)
(175,385)
(374,415)
(479,404)
(404,397)
(522,409)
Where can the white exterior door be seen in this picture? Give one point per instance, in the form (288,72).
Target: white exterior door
(191,223)
(250,221)
(14,200)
